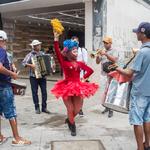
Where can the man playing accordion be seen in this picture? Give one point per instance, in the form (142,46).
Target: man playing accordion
(34,81)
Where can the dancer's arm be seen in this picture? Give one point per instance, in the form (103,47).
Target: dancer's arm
(57,49)
(87,69)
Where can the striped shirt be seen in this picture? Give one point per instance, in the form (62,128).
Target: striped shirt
(27,60)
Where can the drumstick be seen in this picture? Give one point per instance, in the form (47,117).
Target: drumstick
(18,72)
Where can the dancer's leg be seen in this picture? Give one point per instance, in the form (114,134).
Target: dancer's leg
(77,104)
(70,109)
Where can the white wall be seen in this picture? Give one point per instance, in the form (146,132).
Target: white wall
(122,17)
(88,24)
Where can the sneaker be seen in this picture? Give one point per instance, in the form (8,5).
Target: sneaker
(110,114)
(37,111)
(81,113)
(105,110)
(46,111)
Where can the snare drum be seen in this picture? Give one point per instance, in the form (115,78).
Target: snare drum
(118,97)
(18,87)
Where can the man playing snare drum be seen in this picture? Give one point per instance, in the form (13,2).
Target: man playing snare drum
(7,106)
(139,114)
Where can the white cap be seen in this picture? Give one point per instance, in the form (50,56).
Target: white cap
(3,35)
(35,42)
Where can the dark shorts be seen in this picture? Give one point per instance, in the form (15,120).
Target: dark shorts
(7,106)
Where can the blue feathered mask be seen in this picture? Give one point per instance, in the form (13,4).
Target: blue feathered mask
(70,44)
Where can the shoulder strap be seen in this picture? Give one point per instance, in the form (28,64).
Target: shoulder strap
(125,66)
(147,46)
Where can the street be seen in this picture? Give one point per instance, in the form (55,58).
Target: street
(95,131)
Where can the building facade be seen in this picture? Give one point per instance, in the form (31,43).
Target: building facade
(91,20)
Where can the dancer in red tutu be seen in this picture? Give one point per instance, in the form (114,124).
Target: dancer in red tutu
(71,89)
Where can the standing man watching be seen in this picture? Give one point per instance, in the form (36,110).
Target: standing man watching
(82,56)
(35,83)
(107,55)
(139,114)
(7,106)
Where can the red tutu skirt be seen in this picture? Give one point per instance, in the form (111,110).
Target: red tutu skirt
(65,89)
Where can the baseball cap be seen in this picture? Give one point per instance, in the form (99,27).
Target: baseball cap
(35,42)
(107,39)
(144,27)
(3,35)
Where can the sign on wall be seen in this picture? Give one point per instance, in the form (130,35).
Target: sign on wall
(99,22)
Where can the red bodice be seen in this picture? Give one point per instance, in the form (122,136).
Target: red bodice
(71,85)
(71,69)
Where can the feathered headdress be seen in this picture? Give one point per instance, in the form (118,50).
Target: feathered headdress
(69,44)
(57,26)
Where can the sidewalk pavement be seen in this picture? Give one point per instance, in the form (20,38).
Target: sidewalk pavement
(48,132)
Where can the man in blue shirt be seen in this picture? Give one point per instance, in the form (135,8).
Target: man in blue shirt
(7,106)
(139,114)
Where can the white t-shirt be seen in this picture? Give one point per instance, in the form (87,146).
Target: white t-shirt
(112,52)
(82,56)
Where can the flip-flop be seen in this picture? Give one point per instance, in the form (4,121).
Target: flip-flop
(21,142)
(3,140)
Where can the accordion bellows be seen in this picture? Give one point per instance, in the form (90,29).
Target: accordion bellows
(42,65)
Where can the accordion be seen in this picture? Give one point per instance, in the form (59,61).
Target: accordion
(42,65)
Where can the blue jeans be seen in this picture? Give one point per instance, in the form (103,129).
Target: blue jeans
(7,106)
(35,83)
(139,109)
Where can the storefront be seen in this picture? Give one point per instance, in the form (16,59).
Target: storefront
(27,20)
